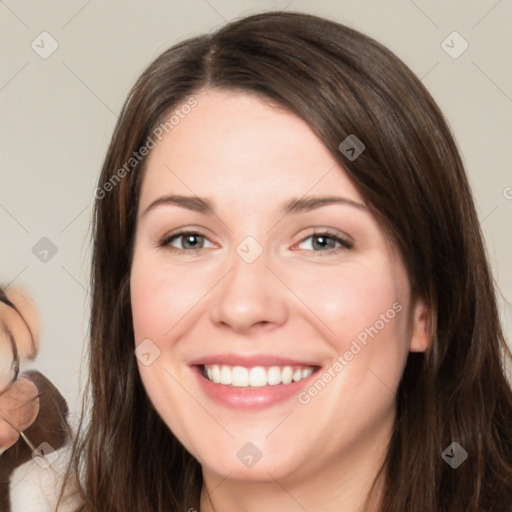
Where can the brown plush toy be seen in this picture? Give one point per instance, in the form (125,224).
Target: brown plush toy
(32,411)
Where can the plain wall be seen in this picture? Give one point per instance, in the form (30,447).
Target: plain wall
(58,113)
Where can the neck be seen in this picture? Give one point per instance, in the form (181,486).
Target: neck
(343,482)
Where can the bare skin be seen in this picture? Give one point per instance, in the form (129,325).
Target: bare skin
(32,410)
(19,405)
(295,300)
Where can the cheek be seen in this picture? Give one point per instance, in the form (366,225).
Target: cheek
(160,298)
(144,293)
(157,305)
(361,309)
(350,298)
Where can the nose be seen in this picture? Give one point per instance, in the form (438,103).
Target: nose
(250,298)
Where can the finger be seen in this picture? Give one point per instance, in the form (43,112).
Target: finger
(8,435)
(19,408)
(9,360)
(19,314)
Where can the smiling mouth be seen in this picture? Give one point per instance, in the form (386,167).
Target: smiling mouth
(255,377)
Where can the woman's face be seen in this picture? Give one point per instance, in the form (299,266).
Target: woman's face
(258,291)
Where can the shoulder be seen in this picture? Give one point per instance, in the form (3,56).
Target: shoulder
(35,486)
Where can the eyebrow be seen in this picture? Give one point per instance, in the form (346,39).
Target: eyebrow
(293,205)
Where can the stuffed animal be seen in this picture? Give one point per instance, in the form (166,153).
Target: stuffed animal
(33,413)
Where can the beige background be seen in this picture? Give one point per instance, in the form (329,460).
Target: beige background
(58,113)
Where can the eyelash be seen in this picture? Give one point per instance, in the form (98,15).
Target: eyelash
(344,242)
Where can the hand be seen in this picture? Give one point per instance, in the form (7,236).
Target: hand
(19,330)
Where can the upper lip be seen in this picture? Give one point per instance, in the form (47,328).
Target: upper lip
(250,361)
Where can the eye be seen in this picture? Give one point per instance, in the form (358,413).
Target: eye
(191,241)
(326,241)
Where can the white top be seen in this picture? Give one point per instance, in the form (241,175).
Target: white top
(35,485)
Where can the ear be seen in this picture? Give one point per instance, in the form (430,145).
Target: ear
(420,337)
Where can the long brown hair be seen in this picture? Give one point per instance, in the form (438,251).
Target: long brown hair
(340,82)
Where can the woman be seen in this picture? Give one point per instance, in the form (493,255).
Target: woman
(266,375)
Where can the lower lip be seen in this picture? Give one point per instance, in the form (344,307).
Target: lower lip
(250,398)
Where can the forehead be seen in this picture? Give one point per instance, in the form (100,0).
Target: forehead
(233,145)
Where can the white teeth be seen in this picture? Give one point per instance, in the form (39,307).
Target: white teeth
(239,376)
(257,376)
(287,374)
(215,374)
(225,375)
(274,375)
(307,372)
